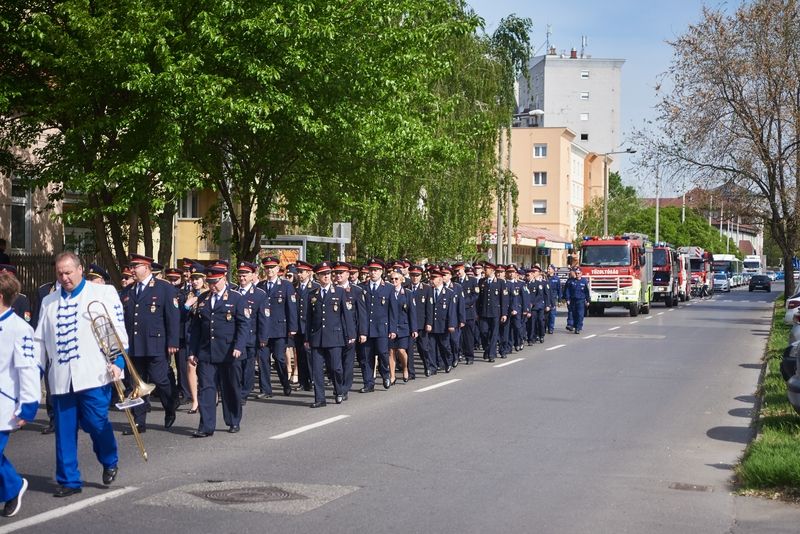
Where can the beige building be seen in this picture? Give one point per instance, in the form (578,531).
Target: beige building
(556,178)
(27,223)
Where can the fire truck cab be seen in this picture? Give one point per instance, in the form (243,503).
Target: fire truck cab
(620,272)
(666,274)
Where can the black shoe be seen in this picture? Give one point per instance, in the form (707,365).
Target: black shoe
(427,372)
(447,369)
(262,396)
(184,401)
(319,404)
(109,475)
(386,383)
(541,340)
(569,328)
(64,491)
(491,360)
(469,362)
(287,391)
(339,399)
(549,331)
(49,429)
(366,389)
(344,397)
(169,420)
(192,410)
(129,431)
(13,505)
(307,387)
(201,434)
(412,377)
(233,429)
(455,364)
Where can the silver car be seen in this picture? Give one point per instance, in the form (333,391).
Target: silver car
(721,283)
(792,306)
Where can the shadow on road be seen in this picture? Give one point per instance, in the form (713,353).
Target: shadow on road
(733,434)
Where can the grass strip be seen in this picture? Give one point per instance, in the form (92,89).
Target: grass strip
(771,463)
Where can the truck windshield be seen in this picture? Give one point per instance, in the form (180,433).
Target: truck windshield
(605,255)
(696,264)
(660,257)
(752,264)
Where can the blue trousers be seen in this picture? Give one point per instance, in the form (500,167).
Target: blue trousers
(156,369)
(330,357)
(10,481)
(245,371)
(490,329)
(374,346)
(418,346)
(551,319)
(276,347)
(208,375)
(578,308)
(348,364)
(89,410)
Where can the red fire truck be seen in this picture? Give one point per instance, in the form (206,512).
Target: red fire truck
(702,281)
(620,272)
(666,274)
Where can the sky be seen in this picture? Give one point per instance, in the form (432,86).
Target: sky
(634,30)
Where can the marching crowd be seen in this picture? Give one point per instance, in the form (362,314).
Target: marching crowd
(202,340)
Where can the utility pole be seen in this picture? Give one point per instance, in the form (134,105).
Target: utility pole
(499,258)
(658,192)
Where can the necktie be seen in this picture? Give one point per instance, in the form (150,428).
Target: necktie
(374,286)
(324,292)
(269,287)
(437,296)
(214,300)
(139,288)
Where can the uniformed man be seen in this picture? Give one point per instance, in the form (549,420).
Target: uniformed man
(380,326)
(218,338)
(423,297)
(355,308)
(540,303)
(126,278)
(21,304)
(518,307)
(255,299)
(577,299)
(567,285)
(504,336)
(281,314)
(152,321)
(461,312)
(328,325)
(469,286)
(554,283)
(492,309)
(442,321)
(97,275)
(304,287)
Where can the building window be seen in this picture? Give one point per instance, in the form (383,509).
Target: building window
(187,209)
(540,178)
(584,137)
(20,219)
(539,207)
(584,116)
(539,151)
(584,74)
(584,95)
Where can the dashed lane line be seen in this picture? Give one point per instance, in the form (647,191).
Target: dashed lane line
(65,510)
(671,310)
(660,313)
(439,385)
(646,318)
(508,362)
(613,328)
(556,347)
(633,322)
(309,427)
(590,336)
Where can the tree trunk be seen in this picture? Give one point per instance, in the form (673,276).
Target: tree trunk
(147,229)
(166,227)
(115,226)
(133,231)
(101,242)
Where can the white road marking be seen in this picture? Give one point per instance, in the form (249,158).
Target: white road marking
(440,384)
(590,336)
(671,309)
(633,322)
(309,427)
(509,362)
(646,318)
(613,328)
(556,347)
(64,510)
(660,313)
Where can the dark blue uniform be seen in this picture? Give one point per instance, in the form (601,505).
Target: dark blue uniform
(153,320)
(565,290)
(443,317)
(554,284)
(282,317)
(422,295)
(303,356)
(577,297)
(405,309)
(518,305)
(492,305)
(328,325)
(22,307)
(216,332)
(380,321)
(355,308)
(469,286)
(540,299)
(180,358)
(245,367)
(461,319)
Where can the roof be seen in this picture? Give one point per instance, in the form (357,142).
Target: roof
(533,236)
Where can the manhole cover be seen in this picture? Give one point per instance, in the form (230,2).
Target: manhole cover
(634,336)
(690,487)
(248,495)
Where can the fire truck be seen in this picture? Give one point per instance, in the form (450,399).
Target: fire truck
(684,278)
(666,274)
(620,272)
(700,265)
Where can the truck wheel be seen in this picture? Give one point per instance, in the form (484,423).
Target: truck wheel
(669,300)
(634,309)
(645,309)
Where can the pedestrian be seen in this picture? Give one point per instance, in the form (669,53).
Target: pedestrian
(442,322)
(405,310)
(567,285)
(492,308)
(197,279)
(469,287)
(355,307)
(19,374)
(422,294)
(305,273)
(254,305)
(554,284)
(381,326)
(80,374)
(577,299)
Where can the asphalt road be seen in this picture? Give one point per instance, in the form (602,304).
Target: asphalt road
(632,426)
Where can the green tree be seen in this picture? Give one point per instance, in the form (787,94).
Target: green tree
(622,203)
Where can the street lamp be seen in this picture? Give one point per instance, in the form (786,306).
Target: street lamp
(605,184)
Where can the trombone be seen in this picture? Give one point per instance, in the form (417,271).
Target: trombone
(111,345)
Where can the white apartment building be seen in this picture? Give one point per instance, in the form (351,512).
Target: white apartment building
(579,93)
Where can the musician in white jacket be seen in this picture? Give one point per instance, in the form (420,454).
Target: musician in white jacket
(19,388)
(79,374)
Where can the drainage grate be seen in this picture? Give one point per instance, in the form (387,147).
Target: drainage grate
(690,487)
(246,495)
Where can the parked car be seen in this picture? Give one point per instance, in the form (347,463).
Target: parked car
(792,305)
(779,275)
(721,283)
(794,335)
(760,281)
(772,275)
